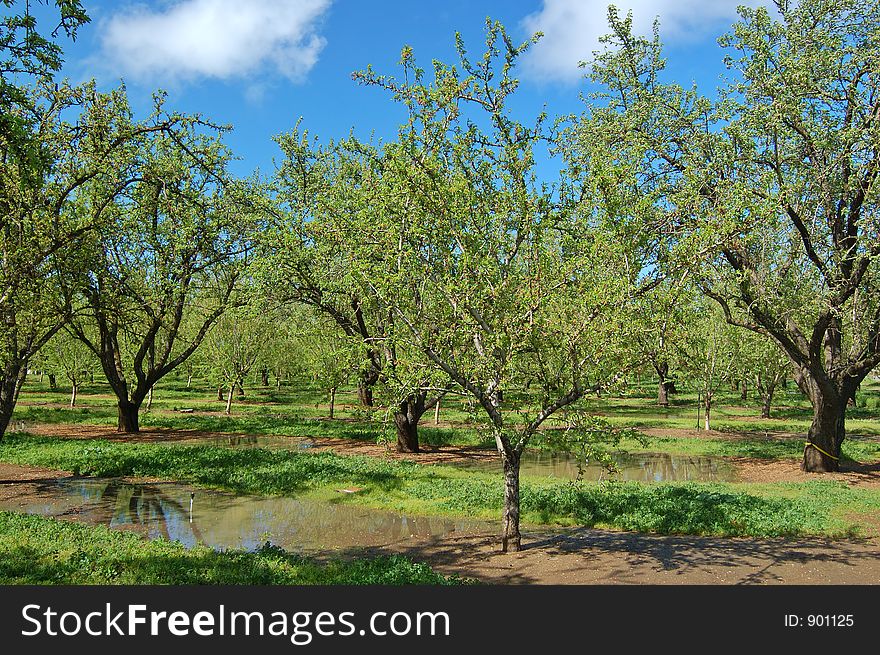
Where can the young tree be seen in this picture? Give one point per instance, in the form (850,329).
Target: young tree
(69,355)
(708,353)
(763,362)
(485,272)
(773,185)
(322,350)
(234,345)
(177,245)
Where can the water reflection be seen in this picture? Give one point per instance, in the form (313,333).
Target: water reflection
(639,467)
(222,520)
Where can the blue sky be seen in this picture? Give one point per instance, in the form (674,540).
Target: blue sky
(260,65)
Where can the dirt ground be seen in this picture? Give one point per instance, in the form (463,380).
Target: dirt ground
(590,556)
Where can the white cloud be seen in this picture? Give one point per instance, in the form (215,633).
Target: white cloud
(572,28)
(191,39)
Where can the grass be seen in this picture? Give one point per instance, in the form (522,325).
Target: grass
(302,411)
(797,509)
(853,449)
(39,550)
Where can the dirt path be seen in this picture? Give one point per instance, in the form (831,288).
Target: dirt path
(589,556)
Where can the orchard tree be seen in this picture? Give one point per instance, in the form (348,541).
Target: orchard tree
(283,356)
(763,362)
(54,141)
(332,201)
(176,247)
(662,317)
(770,191)
(708,354)
(486,272)
(317,188)
(234,345)
(73,358)
(325,353)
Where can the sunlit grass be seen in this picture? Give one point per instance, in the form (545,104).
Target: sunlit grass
(810,508)
(39,550)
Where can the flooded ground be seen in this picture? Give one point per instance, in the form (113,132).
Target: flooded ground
(223,520)
(640,467)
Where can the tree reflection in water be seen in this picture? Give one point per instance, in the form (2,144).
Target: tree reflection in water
(146,508)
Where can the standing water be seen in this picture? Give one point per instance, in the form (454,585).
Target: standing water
(638,467)
(225,521)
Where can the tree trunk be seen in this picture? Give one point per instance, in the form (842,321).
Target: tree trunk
(744,394)
(13,378)
(406,420)
(826,434)
(127,417)
(264,377)
(766,401)
(240,387)
(511,540)
(332,401)
(189,380)
(437,413)
(365,393)
(229,399)
(662,369)
(662,393)
(73,394)
(766,394)
(407,433)
(53,383)
(707,406)
(220,393)
(150,399)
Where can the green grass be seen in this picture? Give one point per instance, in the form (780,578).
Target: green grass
(853,450)
(810,508)
(302,411)
(290,412)
(38,550)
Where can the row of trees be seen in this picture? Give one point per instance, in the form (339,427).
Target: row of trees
(443,262)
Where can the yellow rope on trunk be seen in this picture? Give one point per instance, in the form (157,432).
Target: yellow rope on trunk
(810,443)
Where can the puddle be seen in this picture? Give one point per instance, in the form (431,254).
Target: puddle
(639,467)
(224,521)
